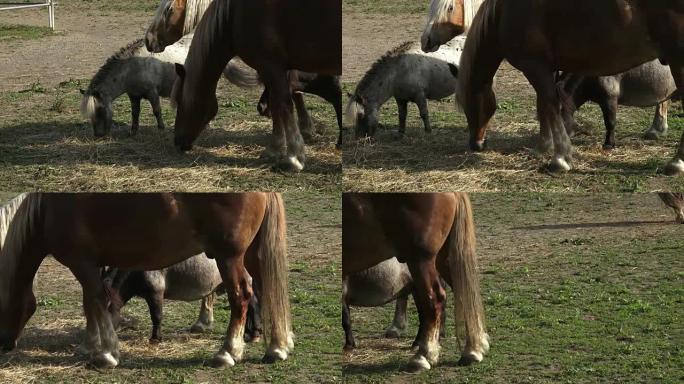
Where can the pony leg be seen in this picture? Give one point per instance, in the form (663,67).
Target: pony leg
(253,328)
(399,322)
(156,109)
(239,290)
(402,105)
(659,125)
(135,113)
(421,102)
(609,110)
(549,112)
(262,105)
(291,153)
(101,335)
(430,297)
(676,165)
(349,342)
(155,303)
(303,117)
(206,314)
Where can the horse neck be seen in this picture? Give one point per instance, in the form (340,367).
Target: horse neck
(22,251)
(112,85)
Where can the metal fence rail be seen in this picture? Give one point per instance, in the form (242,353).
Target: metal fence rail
(50,4)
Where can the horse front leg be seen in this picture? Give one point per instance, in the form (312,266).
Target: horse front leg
(238,287)
(102,343)
(155,103)
(399,321)
(135,113)
(609,111)
(155,303)
(676,166)
(549,95)
(288,144)
(430,297)
(659,125)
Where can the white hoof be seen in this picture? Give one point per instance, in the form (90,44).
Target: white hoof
(277,354)
(296,164)
(105,360)
(485,343)
(558,164)
(222,359)
(419,363)
(290,342)
(675,167)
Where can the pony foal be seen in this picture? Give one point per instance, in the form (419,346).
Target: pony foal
(407,74)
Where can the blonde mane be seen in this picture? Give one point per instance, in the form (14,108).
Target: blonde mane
(439,10)
(194,10)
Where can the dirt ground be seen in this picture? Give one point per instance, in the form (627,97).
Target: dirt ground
(83,40)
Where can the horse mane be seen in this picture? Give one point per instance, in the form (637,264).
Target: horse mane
(18,222)
(380,65)
(439,8)
(482,25)
(194,10)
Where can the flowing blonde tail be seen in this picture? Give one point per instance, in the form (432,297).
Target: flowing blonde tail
(468,308)
(275,303)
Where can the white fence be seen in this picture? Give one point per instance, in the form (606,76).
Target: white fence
(49,4)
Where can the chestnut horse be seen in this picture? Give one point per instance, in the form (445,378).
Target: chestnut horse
(148,231)
(434,234)
(272,37)
(540,37)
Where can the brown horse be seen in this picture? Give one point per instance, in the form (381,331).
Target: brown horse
(539,37)
(271,37)
(148,231)
(435,235)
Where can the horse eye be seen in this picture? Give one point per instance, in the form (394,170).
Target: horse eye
(451,9)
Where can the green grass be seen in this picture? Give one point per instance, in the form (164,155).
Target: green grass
(15,32)
(577,289)
(46,351)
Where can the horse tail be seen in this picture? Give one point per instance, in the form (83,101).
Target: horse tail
(88,105)
(354,110)
(468,307)
(240,76)
(272,254)
(483,23)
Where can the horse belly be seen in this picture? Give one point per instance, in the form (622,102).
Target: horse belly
(192,279)
(378,285)
(647,85)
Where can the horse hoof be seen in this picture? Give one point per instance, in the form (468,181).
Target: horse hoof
(155,340)
(199,328)
(478,145)
(252,338)
(558,165)
(105,360)
(349,348)
(290,164)
(392,333)
(222,360)
(418,364)
(651,135)
(470,357)
(274,355)
(674,168)
(608,147)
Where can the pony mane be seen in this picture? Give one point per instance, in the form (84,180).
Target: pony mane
(112,63)
(381,64)
(17,224)
(194,10)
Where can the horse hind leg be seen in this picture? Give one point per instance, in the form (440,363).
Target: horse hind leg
(206,314)
(609,111)
(102,343)
(349,342)
(402,106)
(236,281)
(422,104)
(430,297)
(399,322)
(156,110)
(676,166)
(659,125)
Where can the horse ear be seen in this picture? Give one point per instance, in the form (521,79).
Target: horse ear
(180,70)
(453,69)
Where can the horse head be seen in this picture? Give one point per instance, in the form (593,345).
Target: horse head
(167,26)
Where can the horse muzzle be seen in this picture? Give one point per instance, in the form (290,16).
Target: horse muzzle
(152,44)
